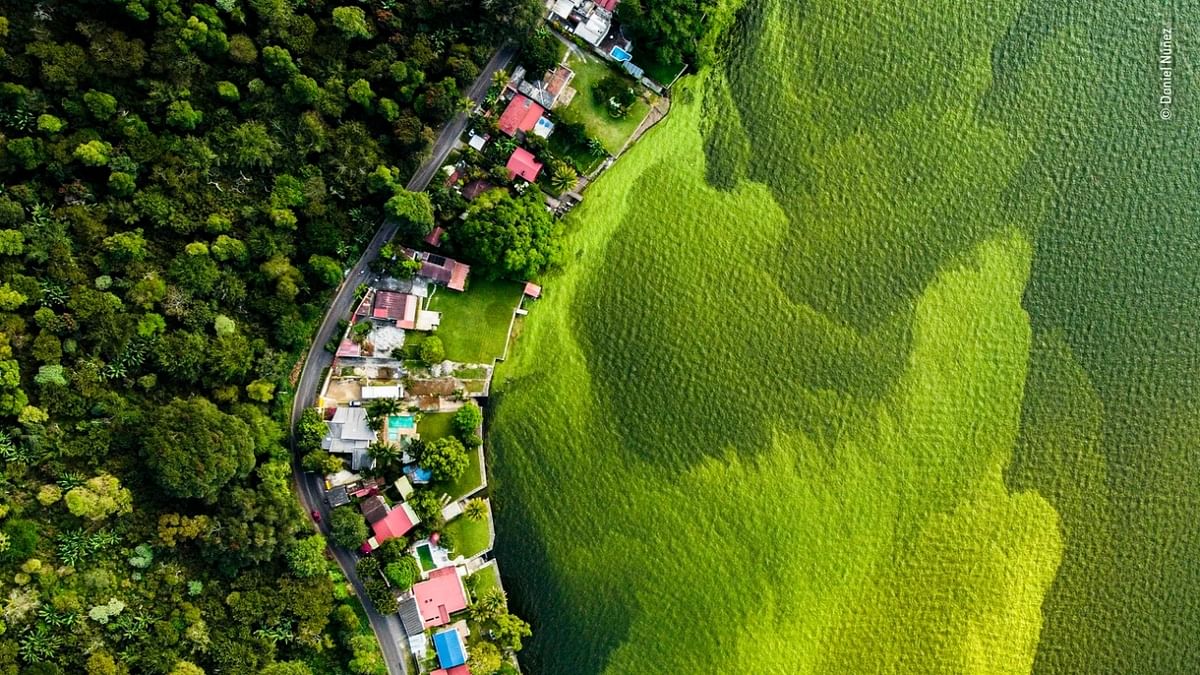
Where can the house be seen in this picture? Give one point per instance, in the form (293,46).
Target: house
(441,595)
(521,114)
(374,509)
(446,271)
(475,188)
(404,487)
(523,164)
(556,83)
(381,391)
(410,615)
(397,522)
(533,290)
(544,127)
(348,348)
(349,434)
(434,238)
(477,142)
(450,649)
(456,670)
(405,310)
(595,28)
(337,496)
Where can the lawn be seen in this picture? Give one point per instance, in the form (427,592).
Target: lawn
(475,323)
(471,537)
(435,425)
(487,578)
(583,158)
(612,132)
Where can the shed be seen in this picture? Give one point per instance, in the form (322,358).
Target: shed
(381,391)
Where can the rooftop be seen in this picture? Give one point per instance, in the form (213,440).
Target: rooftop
(523,164)
(520,115)
(434,238)
(440,596)
(533,290)
(396,523)
(456,670)
(374,508)
(450,648)
(399,307)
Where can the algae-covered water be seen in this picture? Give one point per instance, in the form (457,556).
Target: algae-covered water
(876,356)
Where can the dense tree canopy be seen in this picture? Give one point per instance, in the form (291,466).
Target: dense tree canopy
(511,237)
(670,29)
(182,184)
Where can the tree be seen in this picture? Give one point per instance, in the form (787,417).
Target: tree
(540,51)
(432,350)
(181,115)
(413,210)
(385,454)
(261,390)
(306,557)
(352,22)
(348,528)
(287,668)
(402,573)
(194,449)
(93,153)
(22,539)
(614,93)
(100,663)
(381,596)
(445,458)
(510,237)
(99,498)
(310,430)
(321,462)
(485,658)
(467,420)
(509,631)
(476,510)
(186,668)
(670,29)
(563,176)
(360,92)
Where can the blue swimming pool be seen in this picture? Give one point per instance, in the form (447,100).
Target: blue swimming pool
(401,422)
(620,54)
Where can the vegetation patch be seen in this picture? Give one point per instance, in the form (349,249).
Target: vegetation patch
(475,323)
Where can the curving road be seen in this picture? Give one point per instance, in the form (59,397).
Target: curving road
(309,487)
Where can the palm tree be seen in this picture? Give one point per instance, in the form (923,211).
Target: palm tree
(500,78)
(382,408)
(564,176)
(475,510)
(384,453)
(488,605)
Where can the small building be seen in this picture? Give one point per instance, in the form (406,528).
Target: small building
(410,615)
(404,487)
(562,9)
(375,391)
(440,596)
(533,290)
(446,271)
(450,649)
(543,128)
(349,434)
(477,142)
(521,114)
(557,82)
(522,163)
(595,28)
(434,238)
(397,522)
(337,496)
(456,670)
(475,188)
(349,348)
(374,509)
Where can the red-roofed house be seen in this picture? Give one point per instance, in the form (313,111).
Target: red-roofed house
(523,164)
(521,114)
(441,269)
(456,670)
(399,307)
(396,523)
(441,595)
(533,290)
(610,5)
(434,238)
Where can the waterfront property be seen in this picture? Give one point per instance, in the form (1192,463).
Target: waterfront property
(440,596)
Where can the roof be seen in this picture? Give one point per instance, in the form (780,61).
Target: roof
(456,670)
(348,348)
(558,80)
(337,496)
(523,164)
(374,508)
(434,238)
(533,290)
(441,269)
(594,29)
(399,307)
(520,115)
(440,596)
(410,616)
(450,648)
(477,142)
(563,8)
(475,188)
(543,128)
(370,391)
(404,487)
(396,523)
(610,5)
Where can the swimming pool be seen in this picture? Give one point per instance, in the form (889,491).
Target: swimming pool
(399,425)
(620,54)
(425,555)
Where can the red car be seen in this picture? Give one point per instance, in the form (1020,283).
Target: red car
(316,515)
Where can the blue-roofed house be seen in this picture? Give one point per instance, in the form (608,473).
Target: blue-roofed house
(451,651)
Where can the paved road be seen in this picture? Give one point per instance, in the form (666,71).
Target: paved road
(458,124)
(309,489)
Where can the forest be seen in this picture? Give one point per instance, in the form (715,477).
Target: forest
(183,184)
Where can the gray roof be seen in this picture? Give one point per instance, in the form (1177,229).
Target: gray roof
(337,496)
(410,615)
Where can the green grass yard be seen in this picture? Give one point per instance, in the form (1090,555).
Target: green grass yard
(612,132)
(438,425)
(475,322)
(435,425)
(470,537)
(487,578)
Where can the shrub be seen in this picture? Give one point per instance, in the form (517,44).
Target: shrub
(402,573)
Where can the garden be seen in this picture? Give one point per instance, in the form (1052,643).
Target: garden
(593,110)
(475,322)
